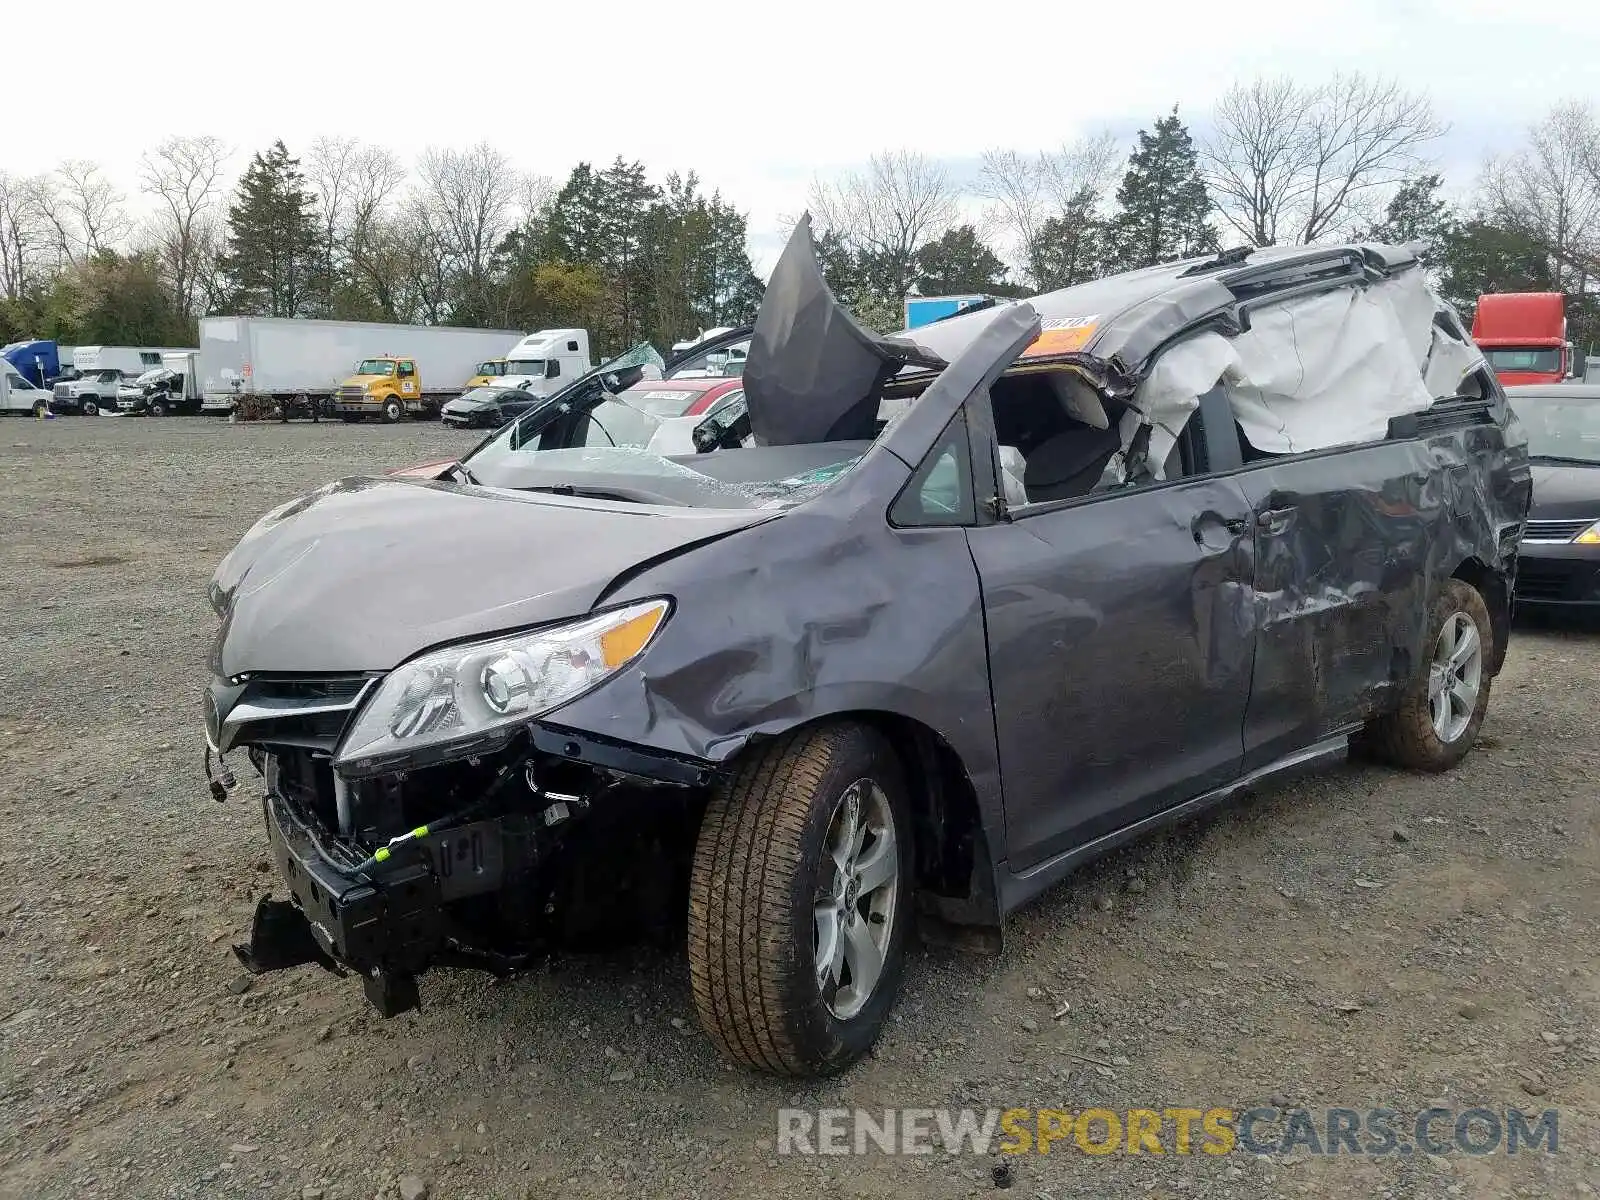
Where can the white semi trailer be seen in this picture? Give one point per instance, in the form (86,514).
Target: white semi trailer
(352,368)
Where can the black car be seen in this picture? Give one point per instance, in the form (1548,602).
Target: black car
(1558,563)
(932,620)
(488,407)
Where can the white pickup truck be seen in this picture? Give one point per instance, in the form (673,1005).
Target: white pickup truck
(96,390)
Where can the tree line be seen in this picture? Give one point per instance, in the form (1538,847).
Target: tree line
(344,233)
(1281,163)
(345,230)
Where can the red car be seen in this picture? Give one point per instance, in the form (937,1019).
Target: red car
(681,397)
(694,396)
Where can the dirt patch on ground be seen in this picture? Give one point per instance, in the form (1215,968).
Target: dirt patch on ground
(1360,938)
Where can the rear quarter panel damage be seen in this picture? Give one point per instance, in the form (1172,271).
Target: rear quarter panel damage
(1346,580)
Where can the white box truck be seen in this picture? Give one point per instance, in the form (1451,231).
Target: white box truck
(17,395)
(353,368)
(103,371)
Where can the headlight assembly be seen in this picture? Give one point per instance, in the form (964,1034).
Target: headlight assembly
(477,693)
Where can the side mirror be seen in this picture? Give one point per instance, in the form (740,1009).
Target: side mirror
(727,429)
(708,435)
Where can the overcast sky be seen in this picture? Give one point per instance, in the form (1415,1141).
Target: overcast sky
(759,97)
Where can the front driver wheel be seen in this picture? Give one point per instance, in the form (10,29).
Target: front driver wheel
(90,409)
(1443,707)
(800,901)
(393,410)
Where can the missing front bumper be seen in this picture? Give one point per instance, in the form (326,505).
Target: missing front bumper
(387,929)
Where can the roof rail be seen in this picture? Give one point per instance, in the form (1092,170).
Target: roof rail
(1224,258)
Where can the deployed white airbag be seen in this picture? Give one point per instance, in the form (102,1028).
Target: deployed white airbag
(1316,371)
(1325,370)
(1173,389)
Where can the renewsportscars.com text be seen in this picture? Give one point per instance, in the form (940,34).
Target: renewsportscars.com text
(1169,1130)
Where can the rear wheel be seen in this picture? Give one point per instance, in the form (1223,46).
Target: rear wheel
(800,901)
(393,410)
(1444,705)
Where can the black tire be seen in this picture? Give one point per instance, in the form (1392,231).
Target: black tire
(760,863)
(89,408)
(393,411)
(1408,736)
(41,410)
(155,409)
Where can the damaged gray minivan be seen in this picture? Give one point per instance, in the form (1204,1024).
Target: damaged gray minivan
(931,621)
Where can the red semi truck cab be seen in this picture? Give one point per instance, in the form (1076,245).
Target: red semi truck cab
(1524,336)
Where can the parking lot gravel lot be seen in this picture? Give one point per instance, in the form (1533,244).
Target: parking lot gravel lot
(1358,938)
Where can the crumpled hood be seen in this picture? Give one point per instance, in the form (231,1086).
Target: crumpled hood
(364,573)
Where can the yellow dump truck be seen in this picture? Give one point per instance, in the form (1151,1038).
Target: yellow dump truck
(383,387)
(488,371)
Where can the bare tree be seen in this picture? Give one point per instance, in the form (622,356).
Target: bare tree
(85,211)
(468,204)
(536,195)
(885,214)
(185,176)
(1300,164)
(1549,191)
(25,233)
(1033,196)
(354,183)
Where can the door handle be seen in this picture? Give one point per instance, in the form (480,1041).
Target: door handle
(1273,519)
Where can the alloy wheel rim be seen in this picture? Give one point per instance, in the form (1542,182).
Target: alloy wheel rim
(853,911)
(1455,677)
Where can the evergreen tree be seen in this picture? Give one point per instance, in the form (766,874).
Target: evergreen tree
(1070,249)
(1163,204)
(573,231)
(960,262)
(274,255)
(1415,213)
(735,294)
(1477,256)
(602,220)
(700,268)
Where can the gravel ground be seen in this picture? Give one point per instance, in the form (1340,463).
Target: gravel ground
(1359,938)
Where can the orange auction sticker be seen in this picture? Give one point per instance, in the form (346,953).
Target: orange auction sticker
(1063,335)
